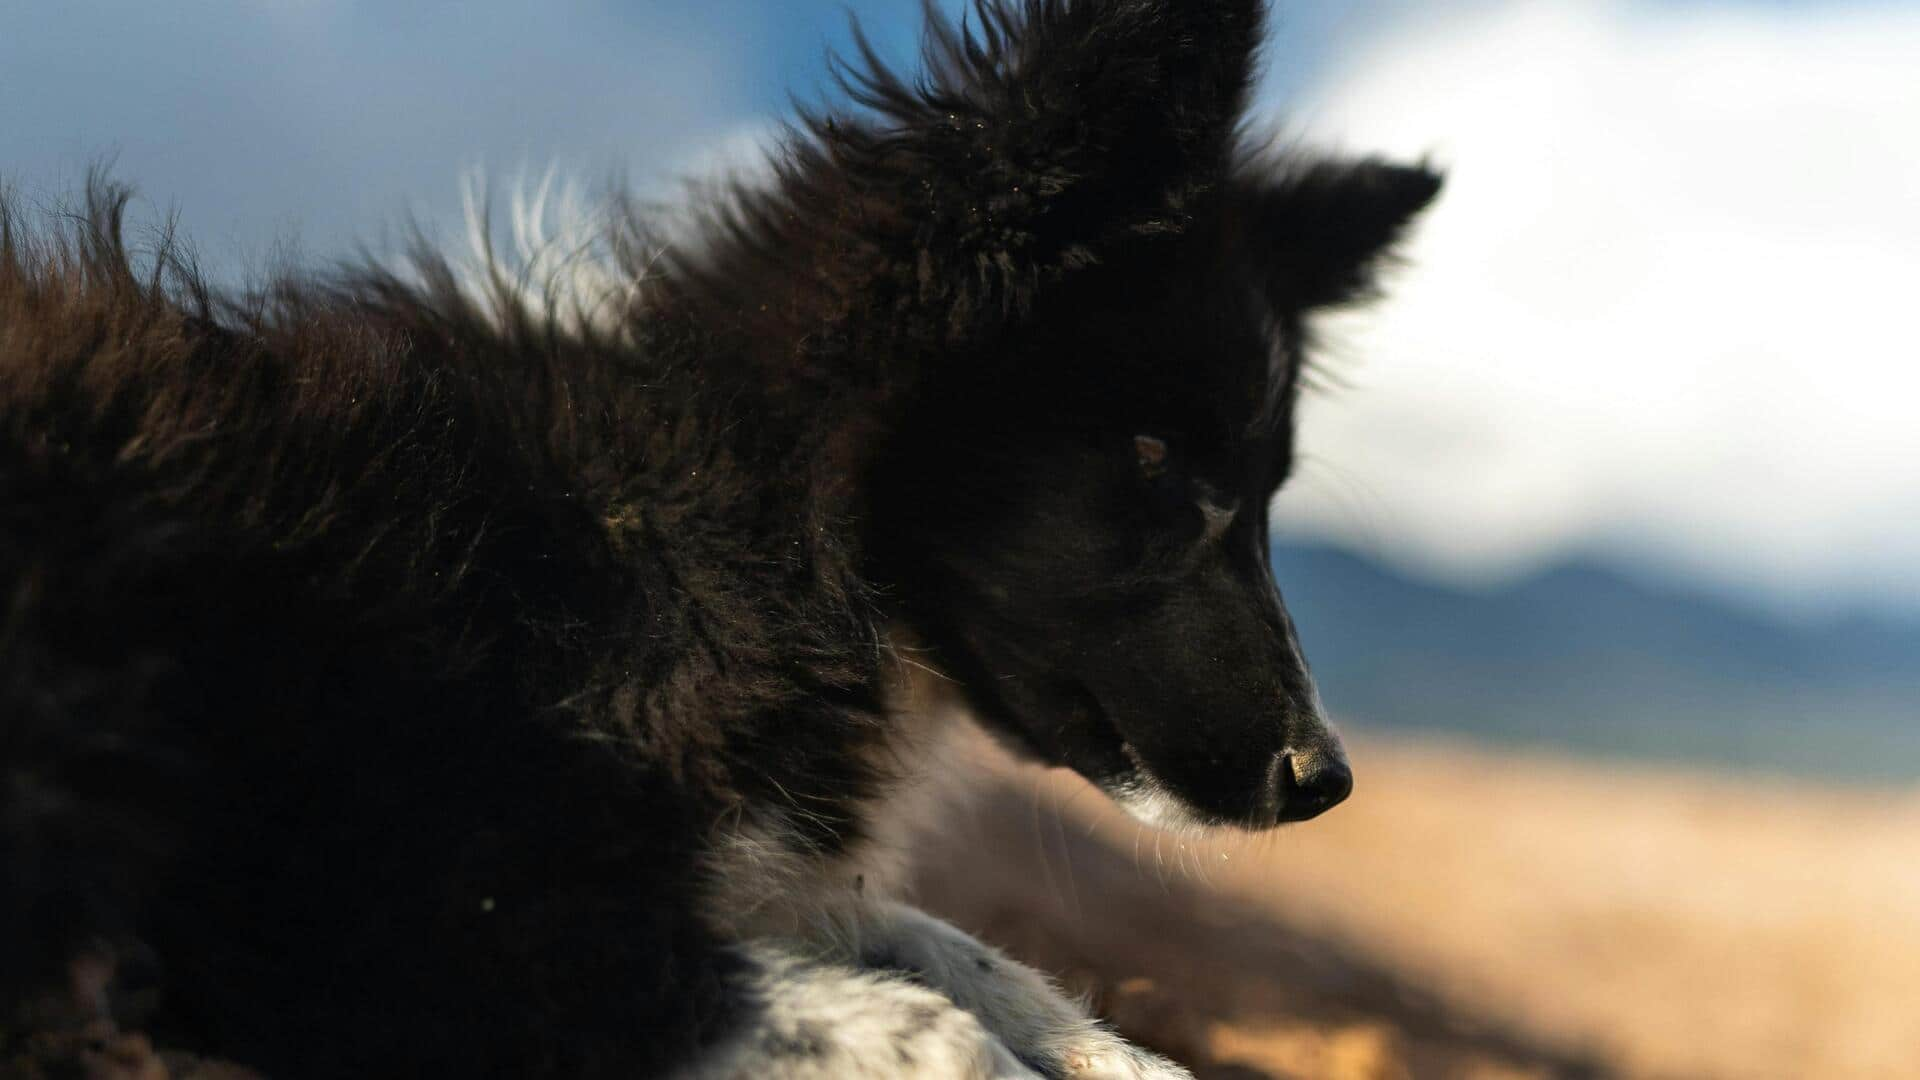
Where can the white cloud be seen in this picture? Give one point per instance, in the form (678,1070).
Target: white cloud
(1666,304)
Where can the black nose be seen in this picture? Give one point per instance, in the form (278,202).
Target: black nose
(1312,783)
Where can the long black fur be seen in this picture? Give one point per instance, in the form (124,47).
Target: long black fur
(381,652)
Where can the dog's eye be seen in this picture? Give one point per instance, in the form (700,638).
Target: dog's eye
(1152,455)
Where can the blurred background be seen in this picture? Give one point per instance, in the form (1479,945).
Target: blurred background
(1606,547)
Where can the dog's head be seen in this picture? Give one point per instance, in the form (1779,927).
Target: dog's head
(1108,297)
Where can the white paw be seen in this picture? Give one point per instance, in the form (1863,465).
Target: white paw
(1113,1058)
(1017,1004)
(953,1046)
(821,1022)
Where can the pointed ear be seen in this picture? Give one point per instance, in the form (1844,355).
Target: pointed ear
(1329,224)
(1042,132)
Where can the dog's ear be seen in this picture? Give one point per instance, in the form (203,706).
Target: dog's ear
(1040,133)
(1327,225)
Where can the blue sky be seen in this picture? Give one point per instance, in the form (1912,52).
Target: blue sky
(1657,314)
(260,119)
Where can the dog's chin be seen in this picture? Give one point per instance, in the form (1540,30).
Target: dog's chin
(1150,801)
(1125,775)
(1079,735)
(1084,738)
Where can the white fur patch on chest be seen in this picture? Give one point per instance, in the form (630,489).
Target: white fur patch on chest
(765,884)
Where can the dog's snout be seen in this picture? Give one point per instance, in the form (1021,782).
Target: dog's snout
(1312,782)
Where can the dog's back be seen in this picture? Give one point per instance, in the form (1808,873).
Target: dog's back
(359,656)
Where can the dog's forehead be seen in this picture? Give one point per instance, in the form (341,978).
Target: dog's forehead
(1241,371)
(1184,342)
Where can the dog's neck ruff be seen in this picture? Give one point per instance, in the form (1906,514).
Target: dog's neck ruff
(767,882)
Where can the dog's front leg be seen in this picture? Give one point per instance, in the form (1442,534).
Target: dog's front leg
(1017,1004)
(807,1017)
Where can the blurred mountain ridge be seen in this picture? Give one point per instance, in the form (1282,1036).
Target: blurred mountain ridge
(1584,656)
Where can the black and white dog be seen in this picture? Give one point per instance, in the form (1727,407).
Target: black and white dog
(407,676)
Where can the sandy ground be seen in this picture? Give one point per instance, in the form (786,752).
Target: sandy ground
(1474,913)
